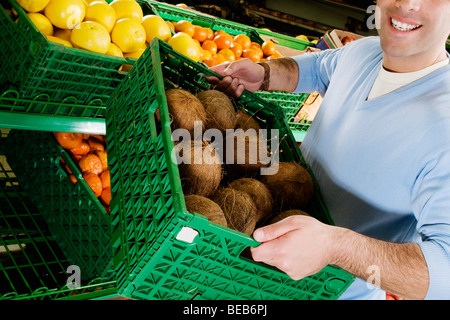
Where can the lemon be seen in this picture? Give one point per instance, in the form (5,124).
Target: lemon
(62,33)
(184,44)
(102,13)
(135,54)
(127,9)
(65,14)
(59,40)
(33,5)
(128,34)
(41,22)
(302,37)
(91,36)
(114,50)
(155,26)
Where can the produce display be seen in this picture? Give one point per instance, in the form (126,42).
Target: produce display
(121,29)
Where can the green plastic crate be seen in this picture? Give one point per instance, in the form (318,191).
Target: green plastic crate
(285,40)
(32,265)
(172,13)
(75,217)
(148,210)
(291,103)
(34,65)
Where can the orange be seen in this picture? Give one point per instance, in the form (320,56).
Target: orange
(223,41)
(41,22)
(127,9)
(33,5)
(209,61)
(103,156)
(91,163)
(95,144)
(209,33)
(274,56)
(228,54)
(219,58)
(186,27)
(106,178)
(83,149)
(210,45)
(102,13)
(243,40)
(69,140)
(236,48)
(72,178)
(92,36)
(251,54)
(62,33)
(184,44)
(105,195)
(204,54)
(217,32)
(65,14)
(155,26)
(171,26)
(128,34)
(268,47)
(94,182)
(199,33)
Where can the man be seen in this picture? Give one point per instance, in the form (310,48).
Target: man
(379,147)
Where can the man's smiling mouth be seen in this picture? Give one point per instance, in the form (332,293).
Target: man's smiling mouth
(403,26)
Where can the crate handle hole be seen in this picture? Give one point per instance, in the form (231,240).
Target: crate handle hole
(187,234)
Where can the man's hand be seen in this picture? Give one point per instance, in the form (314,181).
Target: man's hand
(298,245)
(237,76)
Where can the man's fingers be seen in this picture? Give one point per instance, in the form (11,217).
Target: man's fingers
(276,230)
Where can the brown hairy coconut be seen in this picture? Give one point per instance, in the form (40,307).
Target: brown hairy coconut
(184,109)
(282,215)
(220,112)
(205,207)
(292,187)
(245,121)
(259,193)
(246,147)
(200,167)
(238,207)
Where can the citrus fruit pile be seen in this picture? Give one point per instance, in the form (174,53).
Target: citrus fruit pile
(88,152)
(121,29)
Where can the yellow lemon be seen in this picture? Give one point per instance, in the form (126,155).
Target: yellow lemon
(41,22)
(135,54)
(91,36)
(102,13)
(302,37)
(114,50)
(184,44)
(155,26)
(127,9)
(62,33)
(65,14)
(59,40)
(33,5)
(128,34)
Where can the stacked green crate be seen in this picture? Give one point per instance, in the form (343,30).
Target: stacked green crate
(151,259)
(32,265)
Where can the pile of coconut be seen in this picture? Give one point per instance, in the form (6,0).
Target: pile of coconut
(234,195)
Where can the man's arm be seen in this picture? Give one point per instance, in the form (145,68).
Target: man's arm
(302,246)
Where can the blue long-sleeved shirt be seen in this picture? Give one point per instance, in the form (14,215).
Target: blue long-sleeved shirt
(383,165)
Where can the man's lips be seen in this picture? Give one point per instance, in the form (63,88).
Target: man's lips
(400,25)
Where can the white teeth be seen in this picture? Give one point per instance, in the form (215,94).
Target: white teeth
(403,26)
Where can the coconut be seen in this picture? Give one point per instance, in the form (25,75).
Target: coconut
(259,193)
(238,208)
(282,215)
(245,121)
(292,187)
(199,166)
(184,109)
(205,207)
(242,152)
(220,112)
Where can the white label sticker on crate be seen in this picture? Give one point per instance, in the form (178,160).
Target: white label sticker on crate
(187,234)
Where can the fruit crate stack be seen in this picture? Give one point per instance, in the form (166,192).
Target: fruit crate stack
(152,258)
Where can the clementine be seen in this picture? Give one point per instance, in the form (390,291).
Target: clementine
(69,140)
(91,163)
(94,183)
